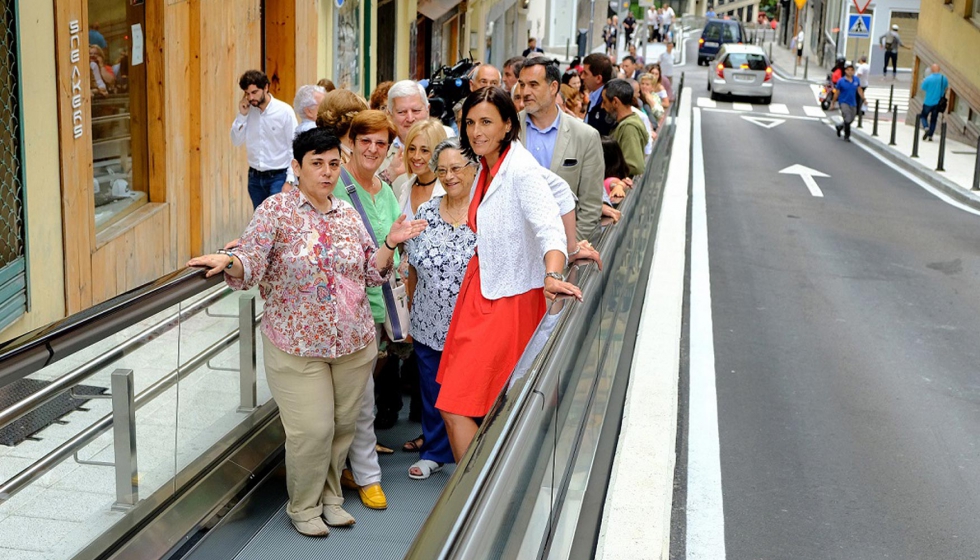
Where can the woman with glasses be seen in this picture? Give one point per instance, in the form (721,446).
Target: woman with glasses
(370,134)
(437,263)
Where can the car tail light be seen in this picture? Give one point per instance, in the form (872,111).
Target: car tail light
(700,41)
(768,74)
(721,70)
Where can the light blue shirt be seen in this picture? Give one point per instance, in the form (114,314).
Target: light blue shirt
(934,87)
(541,143)
(595,97)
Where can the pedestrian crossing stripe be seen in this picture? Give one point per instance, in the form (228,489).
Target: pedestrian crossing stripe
(813,111)
(705,102)
(779,109)
(742,106)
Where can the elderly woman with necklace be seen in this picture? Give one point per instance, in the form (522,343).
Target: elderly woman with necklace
(312,257)
(437,263)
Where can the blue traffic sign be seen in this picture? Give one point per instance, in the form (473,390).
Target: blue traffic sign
(859,26)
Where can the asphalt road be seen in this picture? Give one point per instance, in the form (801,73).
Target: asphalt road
(845,344)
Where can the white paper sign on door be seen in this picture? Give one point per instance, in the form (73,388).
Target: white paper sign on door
(137,57)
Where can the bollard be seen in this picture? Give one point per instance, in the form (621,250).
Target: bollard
(860,115)
(894,124)
(874,129)
(976,169)
(770,52)
(568,46)
(915,139)
(806,67)
(942,147)
(891,96)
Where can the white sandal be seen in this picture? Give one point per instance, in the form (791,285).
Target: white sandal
(426,467)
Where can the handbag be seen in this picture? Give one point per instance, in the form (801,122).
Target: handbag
(395,296)
(943,101)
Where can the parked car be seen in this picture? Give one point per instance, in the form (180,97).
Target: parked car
(742,70)
(718,32)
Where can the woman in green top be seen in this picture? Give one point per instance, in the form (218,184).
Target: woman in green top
(370,133)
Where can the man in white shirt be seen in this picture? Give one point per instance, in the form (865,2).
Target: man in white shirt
(863,73)
(265,125)
(306,103)
(666,62)
(667,20)
(651,22)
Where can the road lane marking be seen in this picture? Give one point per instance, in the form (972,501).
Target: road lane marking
(778,108)
(764,122)
(808,175)
(705,511)
(814,111)
(742,106)
(734,112)
(706,102)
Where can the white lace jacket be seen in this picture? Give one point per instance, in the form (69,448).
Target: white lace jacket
(517,223)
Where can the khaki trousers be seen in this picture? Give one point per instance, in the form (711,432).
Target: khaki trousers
(318,400)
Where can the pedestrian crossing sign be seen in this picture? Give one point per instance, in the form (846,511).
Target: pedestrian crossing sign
(859,26)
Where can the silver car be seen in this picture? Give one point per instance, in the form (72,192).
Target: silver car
(742,70)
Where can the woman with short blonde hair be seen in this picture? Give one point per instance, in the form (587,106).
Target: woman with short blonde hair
(422,184)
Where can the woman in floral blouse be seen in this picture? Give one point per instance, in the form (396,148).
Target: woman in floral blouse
(437,262)
(312,258)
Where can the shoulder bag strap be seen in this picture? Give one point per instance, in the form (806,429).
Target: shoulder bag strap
(386,290)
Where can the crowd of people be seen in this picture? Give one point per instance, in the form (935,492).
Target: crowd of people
(399,253)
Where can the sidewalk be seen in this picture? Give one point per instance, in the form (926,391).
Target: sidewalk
(784,63)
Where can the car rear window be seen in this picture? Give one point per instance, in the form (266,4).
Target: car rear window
(712,33)
(751,61)
(731,34)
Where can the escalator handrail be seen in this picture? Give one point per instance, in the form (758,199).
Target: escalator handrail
(35,350)
(442,531)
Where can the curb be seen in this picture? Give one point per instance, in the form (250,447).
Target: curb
(788,77)
(918,170)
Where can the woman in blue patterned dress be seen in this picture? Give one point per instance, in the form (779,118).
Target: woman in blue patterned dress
(437,263)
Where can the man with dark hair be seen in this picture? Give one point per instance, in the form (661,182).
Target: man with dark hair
(596,73)
(630,132)
(512,67)
(532,47)
(630,70)
(566,146)
(266,126)
(629,26)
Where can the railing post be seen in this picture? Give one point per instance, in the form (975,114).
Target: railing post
(942,147)
(915,139)
(874,128)
(976,169)
(860,116)
(806,68)
(246,353)
(891,142)
(124,440)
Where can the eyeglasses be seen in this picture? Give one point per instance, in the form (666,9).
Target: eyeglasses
(455,170)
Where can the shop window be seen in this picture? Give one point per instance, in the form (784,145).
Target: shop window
(117,79)
(960,107)
(975,118)
(347,30)
(976,11)
(13,257)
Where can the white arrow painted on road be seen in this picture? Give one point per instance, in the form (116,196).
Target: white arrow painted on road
(765,122)
(808,175)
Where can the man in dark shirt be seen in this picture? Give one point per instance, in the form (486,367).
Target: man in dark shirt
(596,73)
(629,26)
(848,95)
(532,47)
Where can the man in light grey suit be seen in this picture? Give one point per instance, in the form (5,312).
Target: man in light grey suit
(561,143)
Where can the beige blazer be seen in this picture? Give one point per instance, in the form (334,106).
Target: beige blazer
(578,160)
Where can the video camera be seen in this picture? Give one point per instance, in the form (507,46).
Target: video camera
(447,87)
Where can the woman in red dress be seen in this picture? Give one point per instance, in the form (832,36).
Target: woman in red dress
(520,249)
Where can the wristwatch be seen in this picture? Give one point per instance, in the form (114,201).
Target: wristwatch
(555,275)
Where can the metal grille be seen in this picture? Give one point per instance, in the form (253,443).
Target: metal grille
(13,296)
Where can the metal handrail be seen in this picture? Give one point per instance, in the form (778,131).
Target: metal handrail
(31,352)
(90,368)
(37,469)
(454,527)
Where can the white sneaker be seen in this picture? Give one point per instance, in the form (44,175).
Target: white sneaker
(312,528)
(337,517)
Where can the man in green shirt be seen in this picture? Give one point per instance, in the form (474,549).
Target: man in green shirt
(630,132)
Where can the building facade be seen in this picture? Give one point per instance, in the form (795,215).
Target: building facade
(949,35)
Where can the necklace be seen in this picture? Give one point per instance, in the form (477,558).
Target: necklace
(454,219)
(419,183)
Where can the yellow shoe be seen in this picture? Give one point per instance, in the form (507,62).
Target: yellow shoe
(372,496)
(347,480)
